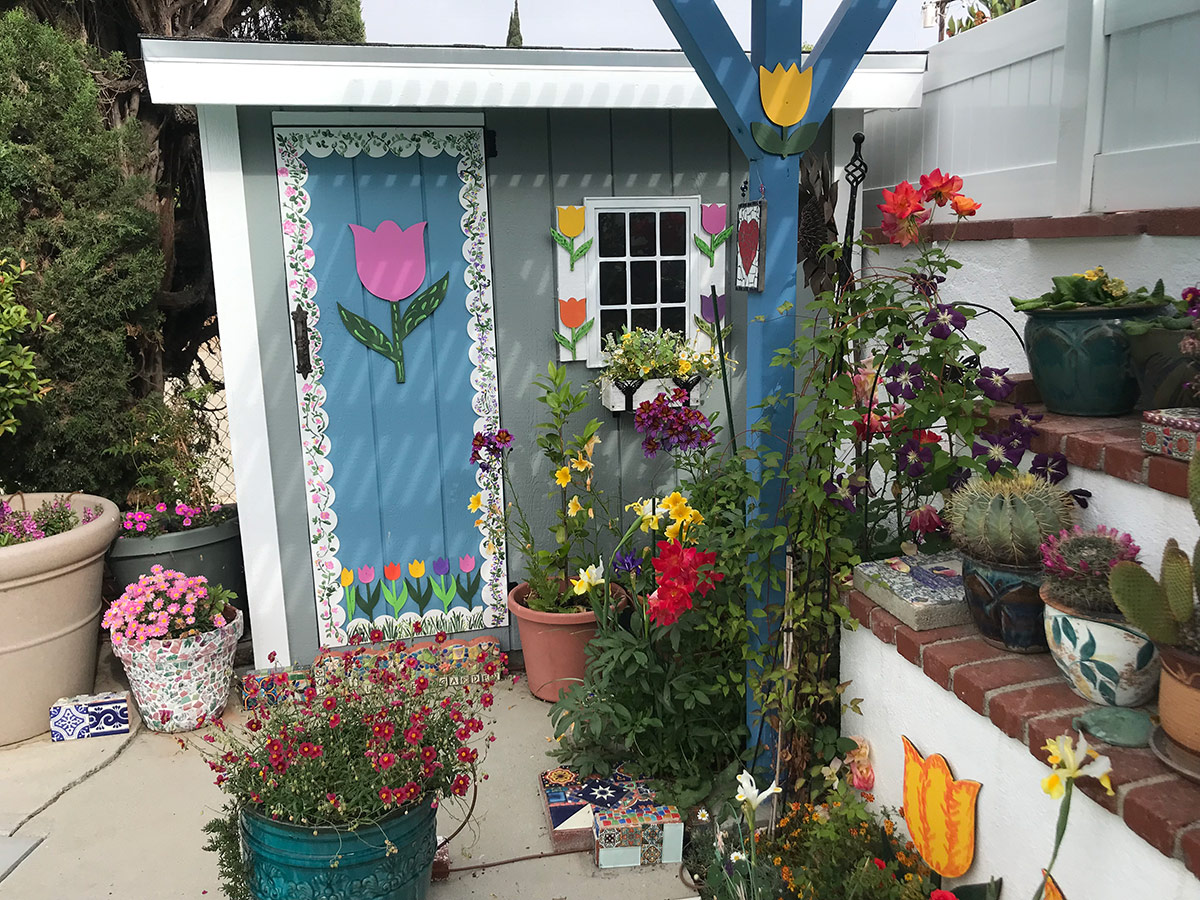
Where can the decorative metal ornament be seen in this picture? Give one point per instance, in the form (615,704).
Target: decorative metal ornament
(854,173)
(818,223)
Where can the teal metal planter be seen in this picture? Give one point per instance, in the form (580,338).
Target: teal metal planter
(1080,359)
(214,551)
(287,862)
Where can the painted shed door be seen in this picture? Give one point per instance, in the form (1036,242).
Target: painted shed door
(385,235)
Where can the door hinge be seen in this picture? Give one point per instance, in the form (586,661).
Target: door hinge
(300,333)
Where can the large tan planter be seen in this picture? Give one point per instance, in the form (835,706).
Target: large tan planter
(1179,697)
(554,645)
(49,616)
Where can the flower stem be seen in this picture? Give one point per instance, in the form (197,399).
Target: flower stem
(1064,810)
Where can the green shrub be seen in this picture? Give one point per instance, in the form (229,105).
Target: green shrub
(90,237)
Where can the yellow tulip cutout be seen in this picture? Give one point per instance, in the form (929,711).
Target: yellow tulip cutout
(571,222)
(940,812)
(785,94)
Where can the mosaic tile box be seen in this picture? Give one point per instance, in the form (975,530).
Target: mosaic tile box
(89,715)
(259,687)
(1170,432)
(453,662)
(921,591)
(576,804)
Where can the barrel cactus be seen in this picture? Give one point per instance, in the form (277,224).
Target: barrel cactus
(1004,520)
(1077,564)
(1165,608)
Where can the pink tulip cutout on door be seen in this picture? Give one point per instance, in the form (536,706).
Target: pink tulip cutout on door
(391,265)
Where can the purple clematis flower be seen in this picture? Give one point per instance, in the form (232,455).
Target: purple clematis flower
(907,381)
(707,311)
(1024,421)
(914,457)
(995,451)
(926,284)
(843,490)
(441,566)
(1051,466)
(1017,442)
(1081,496)
(994,383)
(944,318)
(960,477)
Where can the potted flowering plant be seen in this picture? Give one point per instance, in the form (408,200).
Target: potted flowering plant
(51,553)
(642,364)
(1104,658)
(555,607)
(176,637)
(175,520)
(1078,349)
(1163,350)
(333,791)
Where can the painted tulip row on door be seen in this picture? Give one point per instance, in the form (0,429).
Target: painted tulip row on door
(386,249)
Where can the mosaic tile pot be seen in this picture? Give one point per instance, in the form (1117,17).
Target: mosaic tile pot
(286,862)
(176,682)
(1081,361)
(1005,605)
(1105,660)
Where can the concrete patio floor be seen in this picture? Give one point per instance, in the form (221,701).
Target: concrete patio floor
(122,816)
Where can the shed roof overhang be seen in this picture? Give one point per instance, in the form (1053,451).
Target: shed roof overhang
(236,73)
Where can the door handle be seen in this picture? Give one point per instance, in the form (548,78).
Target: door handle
(300,333)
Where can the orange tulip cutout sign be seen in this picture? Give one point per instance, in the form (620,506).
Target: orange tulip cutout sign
(572,313)
(940,812)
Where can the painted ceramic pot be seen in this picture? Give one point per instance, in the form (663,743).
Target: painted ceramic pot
(287,862)
(1105,659)
(1179,697)
(1162,371)
(179,684)
(1081,361)
(1005,604)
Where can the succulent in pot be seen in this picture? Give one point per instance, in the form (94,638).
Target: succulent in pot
(1104,658)
(999,524)
(1166,610)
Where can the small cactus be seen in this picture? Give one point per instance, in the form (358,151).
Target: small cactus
(1165,609)
(1005,520)
(1077,564)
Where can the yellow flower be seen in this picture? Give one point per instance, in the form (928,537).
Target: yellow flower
(574,507)
(563,476)
(672,531)
(591,445)
(647,513)
(570,220)
(592,576)
(627,337)
(579,464)
(676,506)
(1071,762)
(685,366)
(785,93)
(416,568)
(347,578)
(475,502)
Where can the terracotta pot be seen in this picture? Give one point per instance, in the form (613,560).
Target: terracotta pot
(1104,658)
(49,616)
(554,645)
(1179,697)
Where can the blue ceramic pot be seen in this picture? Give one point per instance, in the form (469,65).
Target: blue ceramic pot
(286,862)
(1005,604)
(1080,359)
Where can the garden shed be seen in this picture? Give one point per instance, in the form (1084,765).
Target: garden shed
(388,284)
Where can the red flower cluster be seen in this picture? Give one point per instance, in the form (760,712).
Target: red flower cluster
(680,573)
(904,209)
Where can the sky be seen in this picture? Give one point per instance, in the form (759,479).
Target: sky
(599,23)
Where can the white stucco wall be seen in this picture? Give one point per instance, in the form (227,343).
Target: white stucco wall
(1101,858)
(995,270)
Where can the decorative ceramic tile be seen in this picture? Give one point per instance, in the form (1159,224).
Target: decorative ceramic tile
(89,715)
(572,800)
(264,687)
(651,854)
(452,662)
(923,592)
(672,845)
(1170,432)
(656,830)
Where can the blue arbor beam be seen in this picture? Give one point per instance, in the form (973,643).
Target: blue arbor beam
(837,52)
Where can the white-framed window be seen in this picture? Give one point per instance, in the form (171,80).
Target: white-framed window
(642,270)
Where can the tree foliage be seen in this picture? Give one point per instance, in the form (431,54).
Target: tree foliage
(88,232)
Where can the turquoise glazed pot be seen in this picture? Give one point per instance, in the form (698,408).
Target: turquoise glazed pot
(1080,359)
(1005,604)
(286,862)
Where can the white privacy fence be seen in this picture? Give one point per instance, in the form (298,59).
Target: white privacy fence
(1059,108)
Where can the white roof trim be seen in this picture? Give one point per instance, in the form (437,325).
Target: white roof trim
(228,73)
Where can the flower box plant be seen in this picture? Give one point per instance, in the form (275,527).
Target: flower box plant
(334,790)
(176,636)
(1164,351)
(642,364)
(1078,348)
(1104,658)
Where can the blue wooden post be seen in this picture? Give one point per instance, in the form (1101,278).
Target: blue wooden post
(733,83)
